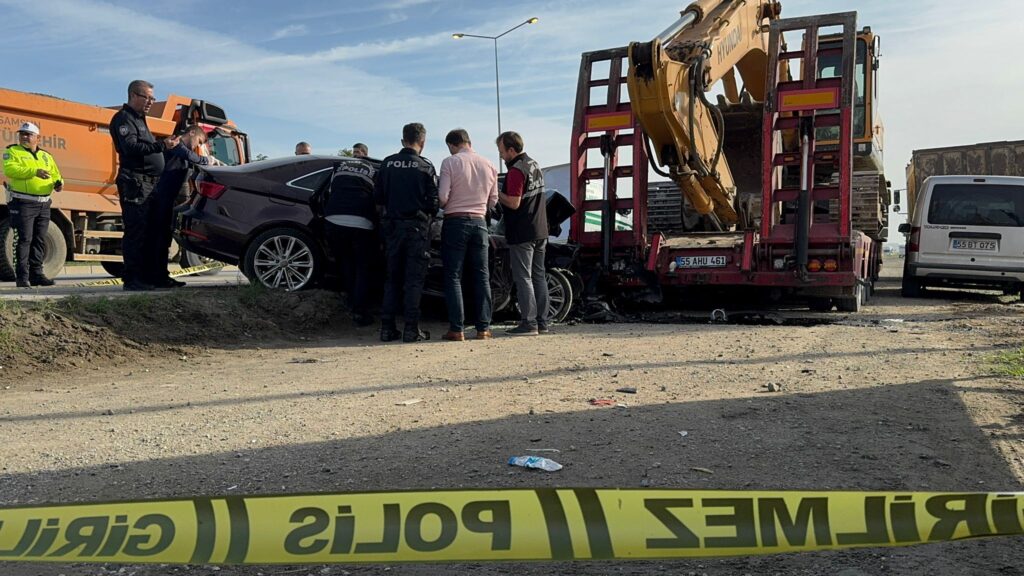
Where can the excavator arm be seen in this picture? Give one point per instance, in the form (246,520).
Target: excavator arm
(668,80)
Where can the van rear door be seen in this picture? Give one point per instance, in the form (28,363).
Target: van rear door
(974,222)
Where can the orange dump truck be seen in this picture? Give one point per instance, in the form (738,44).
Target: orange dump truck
(85,222)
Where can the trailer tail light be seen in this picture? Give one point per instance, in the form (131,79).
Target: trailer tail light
(211,190)
(814,265)
(914,242)
(831,265)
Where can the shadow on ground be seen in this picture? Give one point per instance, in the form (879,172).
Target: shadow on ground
(883,438)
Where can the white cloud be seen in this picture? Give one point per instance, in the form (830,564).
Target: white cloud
(290,31)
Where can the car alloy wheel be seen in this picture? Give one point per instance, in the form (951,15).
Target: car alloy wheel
(283,259)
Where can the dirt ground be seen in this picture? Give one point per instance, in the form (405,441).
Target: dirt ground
(899,397)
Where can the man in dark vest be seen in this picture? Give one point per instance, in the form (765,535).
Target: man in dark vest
(140,163)
(526,231)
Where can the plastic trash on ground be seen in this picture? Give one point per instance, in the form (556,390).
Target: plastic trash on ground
(535,462)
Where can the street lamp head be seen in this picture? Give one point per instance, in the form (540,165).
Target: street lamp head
(533,20)
(457,36)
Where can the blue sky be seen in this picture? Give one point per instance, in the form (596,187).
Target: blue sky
(337,72)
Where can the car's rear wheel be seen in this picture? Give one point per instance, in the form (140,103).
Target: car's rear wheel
(283,258)
(559,296)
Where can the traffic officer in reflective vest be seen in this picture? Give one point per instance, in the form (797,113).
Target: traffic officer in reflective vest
(405,188)
(32,176)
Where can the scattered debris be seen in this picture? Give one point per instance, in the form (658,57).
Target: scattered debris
(772,387)
(304,360)
(607,354)
(556,450)
(536,462)
(704,470)
(683,433)
(601,402)
(808,371)
(626,390)
(409,402)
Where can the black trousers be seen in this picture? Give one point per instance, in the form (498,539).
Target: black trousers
(356,251)
(159,228)
(406,243)
(30,220)
(138,214)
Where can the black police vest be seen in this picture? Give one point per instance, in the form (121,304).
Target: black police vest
(529,222)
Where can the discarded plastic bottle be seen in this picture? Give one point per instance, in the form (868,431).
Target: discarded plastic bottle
(535,462)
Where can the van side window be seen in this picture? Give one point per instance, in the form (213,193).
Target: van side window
(977,205)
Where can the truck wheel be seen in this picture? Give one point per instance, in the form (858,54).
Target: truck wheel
(852,303)
(191,260)
(55,251)
(115,269)
(820,304)
(283,258)
(7,271)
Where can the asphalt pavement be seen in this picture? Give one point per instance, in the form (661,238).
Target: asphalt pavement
(71,278)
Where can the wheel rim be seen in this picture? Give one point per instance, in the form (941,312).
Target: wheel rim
(283,262)
(557,296)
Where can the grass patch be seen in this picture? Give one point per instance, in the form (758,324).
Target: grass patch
(1009,363)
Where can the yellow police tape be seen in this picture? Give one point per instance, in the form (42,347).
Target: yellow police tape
(496,525)
(174,274)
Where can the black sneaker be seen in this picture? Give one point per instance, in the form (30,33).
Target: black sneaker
(41,281)
(414,334)
(543,329)
(138,287)
(389,334)
(522,330)
(24,284)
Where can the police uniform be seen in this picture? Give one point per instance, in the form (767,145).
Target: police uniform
(351,215)
(406,187)
(29,206)
(141,161)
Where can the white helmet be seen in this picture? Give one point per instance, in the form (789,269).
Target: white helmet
(29,128)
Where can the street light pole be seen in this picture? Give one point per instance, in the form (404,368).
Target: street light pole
(497,82)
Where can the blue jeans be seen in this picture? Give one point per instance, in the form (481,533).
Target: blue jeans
(464,246)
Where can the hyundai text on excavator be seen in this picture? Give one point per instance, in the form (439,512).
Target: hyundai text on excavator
(778,185)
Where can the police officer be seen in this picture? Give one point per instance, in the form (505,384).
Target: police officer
(406,190)
(32,175)
(141,163)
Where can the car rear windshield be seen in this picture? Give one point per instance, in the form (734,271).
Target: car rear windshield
(977,205)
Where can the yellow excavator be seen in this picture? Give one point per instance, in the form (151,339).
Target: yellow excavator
(713,152)
(782,176)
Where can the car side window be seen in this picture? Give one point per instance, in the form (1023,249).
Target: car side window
(313,181)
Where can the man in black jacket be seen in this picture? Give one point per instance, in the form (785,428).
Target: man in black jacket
(351,216)
(406,192)
(141,161)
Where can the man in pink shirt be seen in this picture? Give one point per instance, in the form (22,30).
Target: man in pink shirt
(467,189)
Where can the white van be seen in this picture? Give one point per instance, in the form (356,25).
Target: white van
(966,231)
